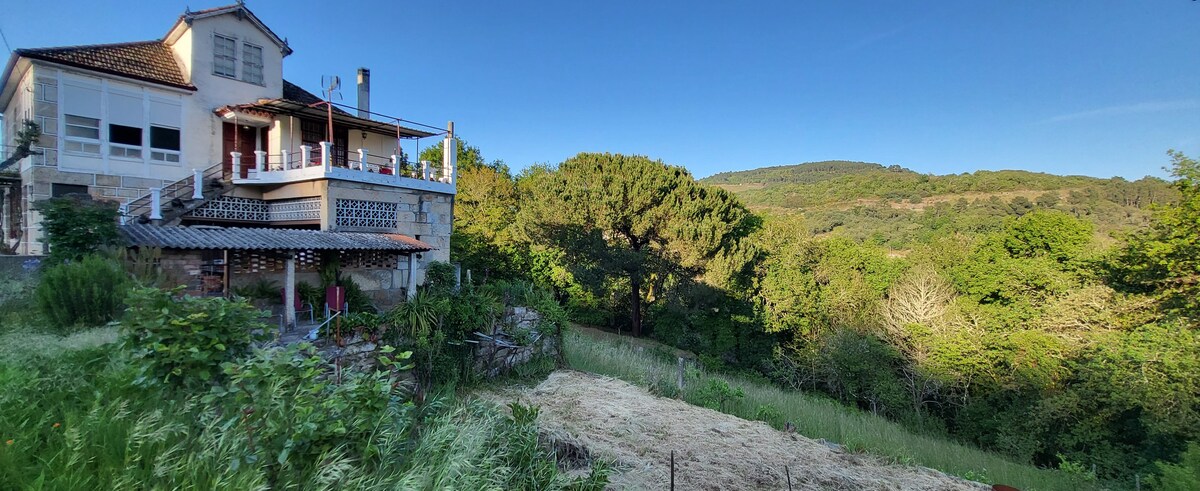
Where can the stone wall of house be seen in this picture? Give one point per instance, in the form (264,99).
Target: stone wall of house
(514,341)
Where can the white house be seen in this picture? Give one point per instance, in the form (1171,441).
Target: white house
(199,128)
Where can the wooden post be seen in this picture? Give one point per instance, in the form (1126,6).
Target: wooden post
(672,470)
(289,289)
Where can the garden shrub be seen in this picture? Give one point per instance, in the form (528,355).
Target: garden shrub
(77,225)
(184,339)
(86,292)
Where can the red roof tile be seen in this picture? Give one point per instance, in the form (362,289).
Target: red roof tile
(151,61)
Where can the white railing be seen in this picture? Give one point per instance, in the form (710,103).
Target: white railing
(320,163)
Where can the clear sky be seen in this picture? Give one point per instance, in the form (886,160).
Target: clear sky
(1092,87)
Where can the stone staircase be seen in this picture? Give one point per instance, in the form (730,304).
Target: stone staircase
(176,199)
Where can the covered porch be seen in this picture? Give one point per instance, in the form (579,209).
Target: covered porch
(213,260)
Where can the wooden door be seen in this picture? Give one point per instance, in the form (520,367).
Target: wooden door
(243,140)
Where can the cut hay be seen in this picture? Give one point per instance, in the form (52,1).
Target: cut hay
(588,417)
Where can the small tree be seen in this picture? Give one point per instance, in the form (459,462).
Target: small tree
(25,139)
(75,226)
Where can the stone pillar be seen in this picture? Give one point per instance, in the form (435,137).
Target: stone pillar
(289,292)
(305,155)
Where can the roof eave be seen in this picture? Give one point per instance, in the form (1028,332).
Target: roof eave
(187,18)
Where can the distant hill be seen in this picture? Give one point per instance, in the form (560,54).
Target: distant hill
(894,205)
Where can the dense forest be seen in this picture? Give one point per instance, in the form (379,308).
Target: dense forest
(1050,318)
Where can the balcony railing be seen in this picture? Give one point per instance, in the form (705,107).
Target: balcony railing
(321,163)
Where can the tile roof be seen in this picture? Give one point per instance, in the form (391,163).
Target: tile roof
(205,237)
(151,61)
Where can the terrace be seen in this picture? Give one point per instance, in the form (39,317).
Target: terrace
(321,163)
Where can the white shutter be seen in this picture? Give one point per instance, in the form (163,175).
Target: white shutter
(164,113)
(81,101)
(125,110)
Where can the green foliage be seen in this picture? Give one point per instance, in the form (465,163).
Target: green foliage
(261,289)
(295,418)
(718,394)
(87,292)
(1182,476)
(439,277)
(617,216)
(75,226)
(1047,233)
(310,294)
(184,340)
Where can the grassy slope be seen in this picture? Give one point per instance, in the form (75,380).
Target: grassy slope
(814,417)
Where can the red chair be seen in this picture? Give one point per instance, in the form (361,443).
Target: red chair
(301,307)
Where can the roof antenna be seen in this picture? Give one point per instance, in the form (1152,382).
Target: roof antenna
(330,86)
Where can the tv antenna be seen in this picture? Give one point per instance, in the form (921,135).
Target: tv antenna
(330,87)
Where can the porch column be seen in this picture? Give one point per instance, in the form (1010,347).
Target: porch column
(289,292)
(327,156)
(411,291)
(197,184)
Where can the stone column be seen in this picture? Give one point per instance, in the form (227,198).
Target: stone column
(411,291)
(289,292)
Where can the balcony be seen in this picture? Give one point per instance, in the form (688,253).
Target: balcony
(319,163)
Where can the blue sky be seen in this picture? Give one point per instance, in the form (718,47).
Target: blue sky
(1076,87)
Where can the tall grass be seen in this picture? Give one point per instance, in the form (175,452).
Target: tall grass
(71,419)
(814,417)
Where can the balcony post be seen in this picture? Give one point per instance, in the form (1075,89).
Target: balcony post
(305,155)
(424,170)
(123,209)
(284,160)
(260,160)
(197,184)
(362,160)
(237,164)
(449,159)
(327,156)
(156,203)
(395,167)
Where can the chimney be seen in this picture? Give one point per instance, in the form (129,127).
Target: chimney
(364,93)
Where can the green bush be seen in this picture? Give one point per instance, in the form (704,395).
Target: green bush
(184,339)
(1182,476)
(86,292)
(439,276)
(77,225)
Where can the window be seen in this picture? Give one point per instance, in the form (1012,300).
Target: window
(224,56)
(59,190)
(83,134)
(164,144)
(125,141)
(252,64)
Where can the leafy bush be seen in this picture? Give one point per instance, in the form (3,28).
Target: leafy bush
(439,277)
(1182,476)
(261,289)
(185,340)
(77,225)
(86,292)
(718,394)
(294,416)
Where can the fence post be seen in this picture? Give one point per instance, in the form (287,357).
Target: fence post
(156,203)
(672,470)
(679,374)
(197,184)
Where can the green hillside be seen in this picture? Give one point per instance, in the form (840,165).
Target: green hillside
(897,206)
